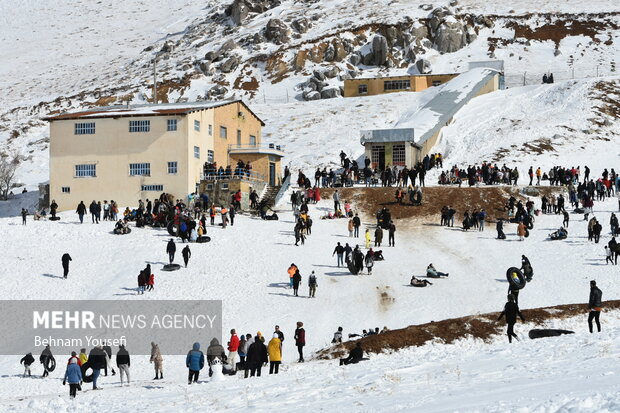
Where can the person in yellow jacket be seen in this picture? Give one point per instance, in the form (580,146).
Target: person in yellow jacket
(83,357)
(274,349)
(367,238)
(538,175)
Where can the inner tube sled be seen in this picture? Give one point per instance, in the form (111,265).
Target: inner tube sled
(172,230)
(547,332)
(171,267)
(516,278)
(86,378)
(203,239)
(50,364)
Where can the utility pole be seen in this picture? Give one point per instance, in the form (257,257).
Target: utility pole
(155,80)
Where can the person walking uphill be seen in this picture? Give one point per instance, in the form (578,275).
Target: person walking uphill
(73,376)
(65,264)
(511,311)
(187,253)
(274,349)
(391,232)
(194,361)
(81,211)
(594,304)
(171,249)
(300,340)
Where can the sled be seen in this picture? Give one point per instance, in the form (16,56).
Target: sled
(547,332)
(50,364)
(352,268)
(515,278)
(171,267)
(530,225)
(54,219)
(172,230)
(273,217)
(527,233)
(86,378)
(203,239)
(118,232)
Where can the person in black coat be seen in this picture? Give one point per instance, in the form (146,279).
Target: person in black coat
(97,360)
(46,355)
(354,356)
(257,357)
(511,311)
(27,360)
(123,362)
(296,282)
(65,264)
(187,253)
(171,249)
(595,304)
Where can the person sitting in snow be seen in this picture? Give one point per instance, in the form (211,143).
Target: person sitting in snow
(431,272)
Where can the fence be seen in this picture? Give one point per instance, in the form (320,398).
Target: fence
(516,79)
(242,176)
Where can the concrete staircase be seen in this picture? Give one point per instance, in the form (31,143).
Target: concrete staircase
(269,195)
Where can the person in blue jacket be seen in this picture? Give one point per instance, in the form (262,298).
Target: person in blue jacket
(195,361)
(73,376)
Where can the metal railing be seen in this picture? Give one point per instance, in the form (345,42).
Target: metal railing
(241,176)
(257,146)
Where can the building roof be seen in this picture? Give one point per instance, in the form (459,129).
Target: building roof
(433,116)
(161,109)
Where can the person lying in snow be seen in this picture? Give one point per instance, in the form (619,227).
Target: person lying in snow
(433,273)
(416,282)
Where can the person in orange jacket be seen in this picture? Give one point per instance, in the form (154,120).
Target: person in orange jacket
(291,273)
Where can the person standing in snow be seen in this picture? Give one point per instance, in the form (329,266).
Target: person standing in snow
(108,352)
(81,211)
(521,231)
(171,249)
(300,340)
(123,363)
(187,253)
(357,223)
(312,284)
(65,264)
(511,311)
(257,356)
(158,361)
(215,351)
(97,359)
(274,350)
(367,235)
(73,376)
(194,361)
(339,250)
(233,348)
(391,232)
(369,260)
(291,273)
(24,215)
(337,336)
(595,304)
(500,229)
(336,198)
(296,282)
(378,236)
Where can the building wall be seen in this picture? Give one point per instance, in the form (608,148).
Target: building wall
(260,164)
(376,87)
(228,116)
(203,140)
(220,191)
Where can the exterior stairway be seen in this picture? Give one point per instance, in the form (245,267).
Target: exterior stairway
(269,195)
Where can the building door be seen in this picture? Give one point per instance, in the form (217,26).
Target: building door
(272,174)
(377,157)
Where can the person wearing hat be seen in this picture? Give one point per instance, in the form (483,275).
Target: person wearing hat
(300,340)
(73,376)
(594,304)
(274,349)
(511,311)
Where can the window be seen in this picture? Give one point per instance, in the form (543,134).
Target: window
(65,190)
(87,170)
(225,186)
(436,82)
(398,155)
(238,137)
(210,130)
(172,125)
(172,167)
(139,125)
(158,188)
(362,89)
(87,128)
(196,152)
(137,169)
(197,125)
(223,132)
(252,140)
(210,156)
(396,85)
(209,187)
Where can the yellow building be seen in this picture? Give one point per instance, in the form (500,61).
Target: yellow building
(380,85)
(127,153)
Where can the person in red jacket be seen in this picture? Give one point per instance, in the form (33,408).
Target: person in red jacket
(233,346)
(300,340)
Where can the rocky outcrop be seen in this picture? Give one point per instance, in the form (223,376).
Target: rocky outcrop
(301,25)
(423,66)
(450,36)
(277,31)
(379,50)
(230,64)
(239,11)
(330,93)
